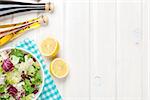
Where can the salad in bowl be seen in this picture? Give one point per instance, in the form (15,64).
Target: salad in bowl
(21,75)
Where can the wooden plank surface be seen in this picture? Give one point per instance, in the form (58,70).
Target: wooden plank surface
(129,55)
(103,50)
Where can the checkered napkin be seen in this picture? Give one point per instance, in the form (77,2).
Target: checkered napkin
(49,91)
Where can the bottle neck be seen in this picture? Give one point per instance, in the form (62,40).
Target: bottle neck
(20,11)
(7,2)
(6,8)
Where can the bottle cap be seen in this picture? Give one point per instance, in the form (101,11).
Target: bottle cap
(49,7)
(43,20)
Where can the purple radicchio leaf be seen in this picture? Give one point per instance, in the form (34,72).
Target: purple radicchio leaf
(12,90)
(35,91)
(7,65)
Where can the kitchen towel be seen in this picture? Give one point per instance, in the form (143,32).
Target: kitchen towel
(49,91)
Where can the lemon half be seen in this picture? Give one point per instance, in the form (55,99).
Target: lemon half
(59,68)
(49,47)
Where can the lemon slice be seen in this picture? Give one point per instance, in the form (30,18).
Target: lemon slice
(59,68)
(49,47)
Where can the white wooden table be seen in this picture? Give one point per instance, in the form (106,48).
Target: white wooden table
(105,42)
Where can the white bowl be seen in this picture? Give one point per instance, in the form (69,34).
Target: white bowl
(42,71)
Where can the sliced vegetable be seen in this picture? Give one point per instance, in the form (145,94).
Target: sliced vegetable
(31,71)
(2,88)
(28,56)
(28,88)
(20,75)
(1,70)
(7,65)
(12,90)
(2,79)
(35,91)
(23,67)
(38,78)
(28,97)
(15,59)
(19,54)
(5,97)
(36,65)
(13,77)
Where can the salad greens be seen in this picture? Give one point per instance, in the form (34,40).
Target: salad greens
(2,88)
(1,69)
(13,77)
(18,53)
(20,75)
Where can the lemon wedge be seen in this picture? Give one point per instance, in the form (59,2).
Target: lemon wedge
(59,68)
(49,47)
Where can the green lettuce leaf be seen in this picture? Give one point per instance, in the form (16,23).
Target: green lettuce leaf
(38,78)
(31,71)
(18,53)
(5,97)
(2,88)
(13,77)
(28,88)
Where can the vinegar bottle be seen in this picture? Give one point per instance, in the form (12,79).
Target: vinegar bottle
(8,7)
